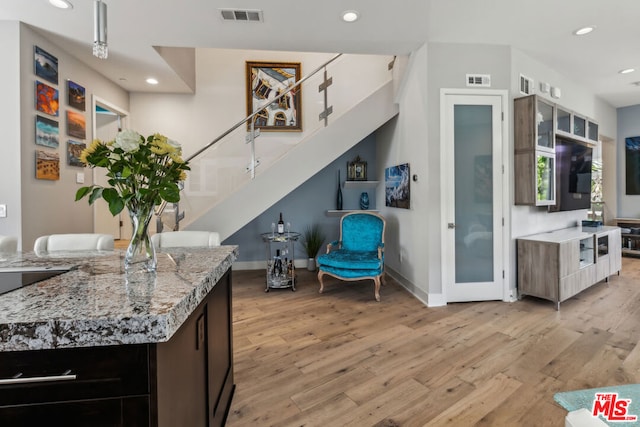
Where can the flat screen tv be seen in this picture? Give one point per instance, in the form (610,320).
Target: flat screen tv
(573,175)
(632,164)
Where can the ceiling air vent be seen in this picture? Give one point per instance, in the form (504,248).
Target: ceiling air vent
(241,15)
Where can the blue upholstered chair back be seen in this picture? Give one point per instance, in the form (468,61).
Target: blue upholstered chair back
(361,232)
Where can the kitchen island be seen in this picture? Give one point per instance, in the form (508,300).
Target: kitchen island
(94,346)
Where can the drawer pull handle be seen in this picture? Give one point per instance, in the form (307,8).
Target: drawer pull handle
(18,379)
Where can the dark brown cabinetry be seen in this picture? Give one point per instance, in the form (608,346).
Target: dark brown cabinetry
(187,381)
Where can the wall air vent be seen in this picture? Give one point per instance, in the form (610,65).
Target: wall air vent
(526,85)
(241,15)
(479,80)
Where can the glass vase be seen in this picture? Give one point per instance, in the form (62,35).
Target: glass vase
(364,200)
(140,255)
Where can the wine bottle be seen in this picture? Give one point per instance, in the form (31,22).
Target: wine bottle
(280,225)
(339,196)
(277,264)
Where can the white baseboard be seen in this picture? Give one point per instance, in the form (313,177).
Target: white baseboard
(430,300)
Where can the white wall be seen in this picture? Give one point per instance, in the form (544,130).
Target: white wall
(10,188)
(44,207)
(414,137)
(404,140)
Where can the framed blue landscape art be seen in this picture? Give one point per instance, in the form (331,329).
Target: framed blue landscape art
(47,132)
(46,65)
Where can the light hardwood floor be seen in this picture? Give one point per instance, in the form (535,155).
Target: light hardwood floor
(341,359)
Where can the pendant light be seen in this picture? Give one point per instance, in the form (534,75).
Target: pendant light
(100,48)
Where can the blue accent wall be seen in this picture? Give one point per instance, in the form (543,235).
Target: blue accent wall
(308,204)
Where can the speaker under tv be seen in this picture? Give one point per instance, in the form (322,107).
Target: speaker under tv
(573,175)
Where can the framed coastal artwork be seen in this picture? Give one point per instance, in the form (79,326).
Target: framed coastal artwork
(396,186)
(265,82)
(47,165)
(45,65)
(76,124)
(76,95)
(47,132)
(47,99)
(74,149)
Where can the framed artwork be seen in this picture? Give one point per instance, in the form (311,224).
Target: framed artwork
(76,95)
(74,149)
(396,186)
(46,65)
(47,132)
(47,99)
(76,124)
(47,165)
(265,82)
(357,170)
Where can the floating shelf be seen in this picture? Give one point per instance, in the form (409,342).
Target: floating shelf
(333,212)
(360,184)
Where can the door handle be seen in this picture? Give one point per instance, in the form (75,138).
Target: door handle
(451,225)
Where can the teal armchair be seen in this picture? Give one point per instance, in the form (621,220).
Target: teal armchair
(359,254)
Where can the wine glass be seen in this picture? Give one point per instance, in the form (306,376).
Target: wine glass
(288,228)
(273,229)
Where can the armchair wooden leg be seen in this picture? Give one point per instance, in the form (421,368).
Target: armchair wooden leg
(376,280)
(320,274)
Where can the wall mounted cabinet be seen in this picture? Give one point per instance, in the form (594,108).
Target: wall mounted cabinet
(537,122)
(534,152)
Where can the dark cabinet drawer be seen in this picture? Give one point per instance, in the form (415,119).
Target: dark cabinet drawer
(127,412)
(73,374)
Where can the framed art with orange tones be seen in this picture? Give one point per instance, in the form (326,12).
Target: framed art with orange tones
(47,99)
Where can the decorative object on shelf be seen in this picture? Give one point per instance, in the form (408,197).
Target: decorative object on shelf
(313,239)
(357,170)
(364,200)
(267,81)
(396,186)
(142,173)
(339,196)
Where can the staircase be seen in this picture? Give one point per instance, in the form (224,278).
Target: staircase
(299,162)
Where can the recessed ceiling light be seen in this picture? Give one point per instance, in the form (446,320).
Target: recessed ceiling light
(627,71)
(584,30)
(152,81)
(61,4)
(350,16)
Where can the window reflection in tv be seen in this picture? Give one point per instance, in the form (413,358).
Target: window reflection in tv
(573,163)
(632,164)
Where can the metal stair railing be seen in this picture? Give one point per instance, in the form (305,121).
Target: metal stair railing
(175,216)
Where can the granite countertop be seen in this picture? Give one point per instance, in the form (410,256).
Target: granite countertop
(96,304)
